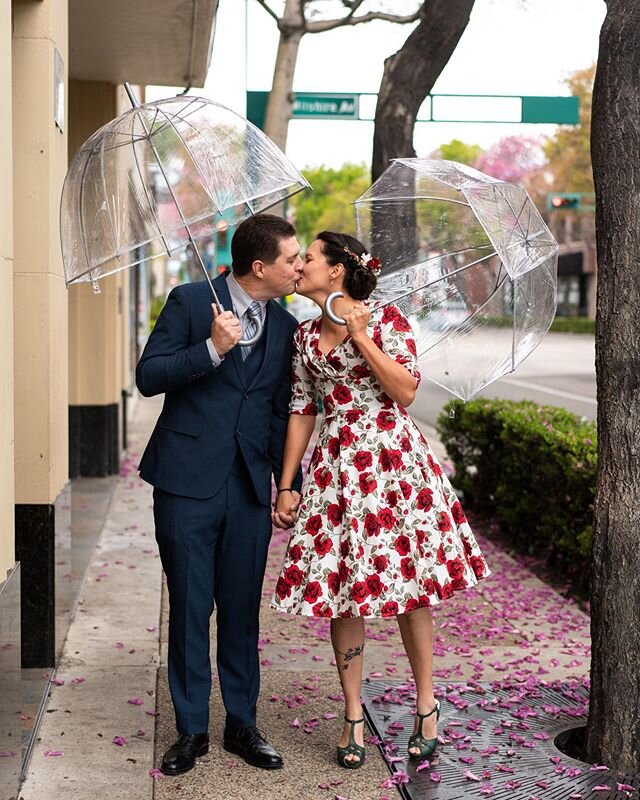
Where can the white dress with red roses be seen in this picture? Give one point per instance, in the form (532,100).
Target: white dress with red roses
(380,530)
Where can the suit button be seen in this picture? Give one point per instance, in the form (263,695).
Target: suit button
(238,433)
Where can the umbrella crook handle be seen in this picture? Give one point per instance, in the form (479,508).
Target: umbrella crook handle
(328,308)
(254,338)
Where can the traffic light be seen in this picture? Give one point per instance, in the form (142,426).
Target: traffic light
(564,201)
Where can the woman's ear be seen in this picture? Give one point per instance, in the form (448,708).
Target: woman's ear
(336,271)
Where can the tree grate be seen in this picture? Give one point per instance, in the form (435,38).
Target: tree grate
(511,720)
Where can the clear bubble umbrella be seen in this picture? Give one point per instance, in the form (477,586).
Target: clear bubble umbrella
(158,178)
(470,262)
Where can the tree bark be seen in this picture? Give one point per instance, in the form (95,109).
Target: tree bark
(409,76)
(613,732)
(280,102)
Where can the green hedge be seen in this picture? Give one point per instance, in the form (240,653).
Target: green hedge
(559,324)
(532,468)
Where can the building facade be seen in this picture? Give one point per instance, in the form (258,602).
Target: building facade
(67,356)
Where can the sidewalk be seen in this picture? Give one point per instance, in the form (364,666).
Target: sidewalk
(113,674)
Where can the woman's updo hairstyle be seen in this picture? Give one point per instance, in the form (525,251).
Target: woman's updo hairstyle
(340,248)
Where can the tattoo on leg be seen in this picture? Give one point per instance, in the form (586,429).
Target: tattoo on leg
(352,652)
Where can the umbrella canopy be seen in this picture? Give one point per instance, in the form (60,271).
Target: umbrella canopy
(159,177)
(469,260)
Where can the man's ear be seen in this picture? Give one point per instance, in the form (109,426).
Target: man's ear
(257,268)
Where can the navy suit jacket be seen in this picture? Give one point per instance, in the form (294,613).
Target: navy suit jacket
(212,413)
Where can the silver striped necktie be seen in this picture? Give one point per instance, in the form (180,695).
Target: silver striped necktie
(250,326)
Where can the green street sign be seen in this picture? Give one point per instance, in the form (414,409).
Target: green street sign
(326,106)
(559,110)
(570,201)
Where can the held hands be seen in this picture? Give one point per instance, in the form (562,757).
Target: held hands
(285,510)
(357,318)
(225,330)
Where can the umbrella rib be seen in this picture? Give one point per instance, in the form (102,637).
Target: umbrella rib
(471,316)
(193,159)
(82,231)
(104,189)
(415,289)
(411,197)
(146,194)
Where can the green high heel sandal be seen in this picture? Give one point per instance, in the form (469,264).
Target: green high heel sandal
(427,747)
(352,749)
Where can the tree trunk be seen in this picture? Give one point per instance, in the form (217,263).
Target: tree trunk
(410,74)
(613,734)
(280,102)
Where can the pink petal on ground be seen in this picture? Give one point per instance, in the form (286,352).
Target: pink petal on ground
(155,774)
(601,788)
(58,681)
(470,775)
(151,628)
(295,723)
(53,753)
(487,789)
(436,777)
(152,713)
(424,765)
(597,768)
(76,681)
(135,701)
(119,740)
(624,787)
(329,715)
(8,754)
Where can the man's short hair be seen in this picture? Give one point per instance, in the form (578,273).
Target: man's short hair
(258,239)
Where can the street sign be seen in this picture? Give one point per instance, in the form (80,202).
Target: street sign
(436,108)
(570,201)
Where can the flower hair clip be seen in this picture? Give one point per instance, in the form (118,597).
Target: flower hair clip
(366,260)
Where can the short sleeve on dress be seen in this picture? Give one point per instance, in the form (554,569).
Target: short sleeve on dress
(397,340)
(304,399)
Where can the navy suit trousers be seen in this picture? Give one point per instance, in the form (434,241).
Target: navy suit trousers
(214,554)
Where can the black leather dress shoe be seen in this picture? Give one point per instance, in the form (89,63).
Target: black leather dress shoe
(253,747)
(181,756)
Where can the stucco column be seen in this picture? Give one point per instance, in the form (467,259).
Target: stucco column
(39,52)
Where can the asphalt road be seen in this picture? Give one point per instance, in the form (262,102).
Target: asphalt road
(560,372)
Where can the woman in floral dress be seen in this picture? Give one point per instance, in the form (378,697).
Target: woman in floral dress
(379,530)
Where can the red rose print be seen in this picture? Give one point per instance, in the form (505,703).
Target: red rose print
(364,609)
(353,416)
(390,314)
(312,592)
(362,460)
(334,514)
(374,585)
(392,498)
(354,525)
(478,566)
(406,489)
(367,483)
(458,514)
(377,338)
(442,559)
(405,444)
(283,589)
(424,500)
(455,568)
(380,563)
(385,421)
(421,535)
(459,584)
(310,410)
(322,476)
(360,371)
(342,394)
(371,525)
(389,609)
(313,524)
(412,604)
(294,575)
(359,591)
(430,586)
(402,545)
(333,446)
(386,518)
(343,571)
(434,466)
(344,479)
(327,401)
(410,344)
(347,436)
(408,569)
(333,582)
(345,614)
(321,610)
(401,324)
(322,544)
(295,553)
(344,548)
(444,522)
(335,362)
(446,591)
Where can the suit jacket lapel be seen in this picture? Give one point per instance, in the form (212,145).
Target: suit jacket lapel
(220,285)
(273,333)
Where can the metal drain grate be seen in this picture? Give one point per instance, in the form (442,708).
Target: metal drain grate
(493,738)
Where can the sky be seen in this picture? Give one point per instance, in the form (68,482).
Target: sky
(510,47)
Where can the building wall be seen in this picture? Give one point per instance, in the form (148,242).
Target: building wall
(7,552)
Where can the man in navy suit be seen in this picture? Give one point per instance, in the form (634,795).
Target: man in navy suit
(216,445)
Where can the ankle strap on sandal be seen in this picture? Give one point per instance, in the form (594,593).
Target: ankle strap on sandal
(353,721)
